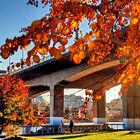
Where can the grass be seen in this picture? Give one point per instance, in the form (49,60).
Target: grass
(121,135)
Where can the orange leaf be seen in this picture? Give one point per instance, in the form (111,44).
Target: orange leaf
(5,54)
(91,45)
(134,21)
(44,37)
(36,59)
(59,28)
(93,25)
(76,59)
(82,54)
(38,36)
(97,33)
(55,52)
(81,47)
(62,48)
(66,31)
(73,48)
(33,51)
(64,41)
(42,51)
(28,61)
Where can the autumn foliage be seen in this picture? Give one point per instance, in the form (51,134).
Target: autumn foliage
(15,109)
(114,33)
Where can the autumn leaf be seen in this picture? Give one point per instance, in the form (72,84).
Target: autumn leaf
(62,48)
(44,37)
(82,54)
(76,59)
(63,41)
(55,52)
(42,50)
(73,48)
(5,54)
(33,51)
(74,24)
(91,45)
(93,26)
(66,31)
(134,21)
(15,107)
(36,59)
(28,61)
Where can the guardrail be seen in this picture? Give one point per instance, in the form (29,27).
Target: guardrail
(45,58)
(47,129)
(116,126)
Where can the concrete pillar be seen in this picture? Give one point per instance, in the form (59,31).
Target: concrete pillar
(51,101)
(99,111)
(131,108)
(56,103)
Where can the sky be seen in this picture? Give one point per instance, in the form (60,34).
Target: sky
(15,14)
(110,94)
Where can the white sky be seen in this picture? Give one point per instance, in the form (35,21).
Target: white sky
(113,93)
(110,94)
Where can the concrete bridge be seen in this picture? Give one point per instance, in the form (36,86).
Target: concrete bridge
(54,76)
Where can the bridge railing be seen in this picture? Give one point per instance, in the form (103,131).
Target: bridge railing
(45,58)
(115,126)
(78,128)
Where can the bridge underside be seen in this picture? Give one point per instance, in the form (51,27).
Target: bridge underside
(92,81)
(54,76)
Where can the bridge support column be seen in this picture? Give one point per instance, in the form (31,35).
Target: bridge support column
(131,108)
(99,111)
(56,103)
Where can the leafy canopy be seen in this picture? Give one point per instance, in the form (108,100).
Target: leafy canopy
(114,34)
(15,109)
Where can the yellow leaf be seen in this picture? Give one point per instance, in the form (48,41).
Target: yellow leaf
(74,24)
(134,21)
(42,51)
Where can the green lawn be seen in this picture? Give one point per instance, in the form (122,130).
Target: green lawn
(121,135)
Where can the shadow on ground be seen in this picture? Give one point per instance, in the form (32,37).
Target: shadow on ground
(71,137)
(132,133)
